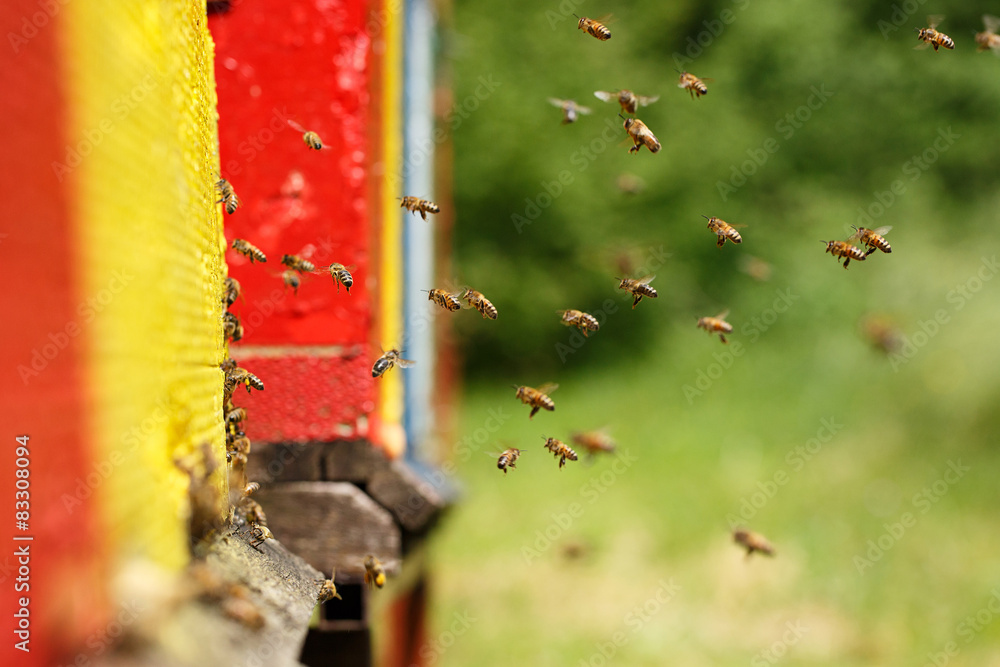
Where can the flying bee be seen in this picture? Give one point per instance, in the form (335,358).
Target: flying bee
(570,109)
(595,28)
(418,205)
(577,318)
(231,325)
(387,361)
(989,39)
(291,279)
(629,101)
(443,298)
(873,239)
(508,458)
(480,303)
(296,263)
(227,196)
(311,139)
(374,572)
(328,589)
(641,135)
(593,441)
(931,37)
(724,231)
(341,276)
(232,291)
(248,250)
(536,398)
(845,250)
(639,288)
(752,542)
(882,334)
(692,84)
(560,449)
(716,324)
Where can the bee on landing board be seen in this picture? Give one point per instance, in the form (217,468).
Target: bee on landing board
(227,196)
(560,449)
(374,572)
(570,109)
(443,298)
(593,441)
(480,303)
(291,279)
(595,28)
(752,542)
(311,139)
(418,205)
(629,101)
(232,327)
(873,239)
(639,288)
(716,324)
(641,135)
(931,37)
(536,398)
(387,361)
(692,84)
(341,276)
(846,250)
(724,231)
(248,250)
(577,318)
(296,263)
(508,458)
(988,38)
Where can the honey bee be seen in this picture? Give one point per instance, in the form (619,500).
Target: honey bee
(692,84)
(595,28)
(341,276)
(882,334)
(374,572)
(845,250)
(227,196)
(328,589)
(560,449)
(443,298)
(752,542)
(639,288)
(387,361)
(418,205)
(989,39)
(236,415)
(641,136)
(243,611)
(536,398)
(291,279)
(253,512)
(508,458)
(577,318)
(724,231)
(232,291)
(231,325)
(629,101)
(756,268)
(248,250)
(238,375)
(716,324)
(873,239)
(931,37)
(311,139)
(570,109)
(480,303)
(206,585)
(593,441)
(259,534)
(630,184)
(296,263)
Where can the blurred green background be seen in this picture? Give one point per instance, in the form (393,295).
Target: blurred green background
(708,426)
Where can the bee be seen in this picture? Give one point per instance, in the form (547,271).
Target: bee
(296,263)
(752,542)
(232,291)
(291,279)
(989,39)
(594,441)
(577,318)
(231,325)
(374,572)
(236,415)
(443,298)
(387,361)
(328,589)
(238,444)
(311,139)
(253,512)
(243,611)
(508,458)
(716,324)
(480,303)
(692,84)
(641,135)
(570,109)
(629,101)
(227,196)
(259,534)
(873,239)
(724,231)
(930,36)
(845,250)
(536,398)
(594,28)
(639,288)
(238,375)
(882,334)
(630,184)
(418,205)
(341,276)
(756,268)
(560,449)
(248,250)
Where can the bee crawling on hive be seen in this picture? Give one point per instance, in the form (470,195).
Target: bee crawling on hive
(232,291)
(227,196)
(752,542)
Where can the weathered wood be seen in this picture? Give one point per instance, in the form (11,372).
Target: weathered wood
(352,461)
(412,499)
(332,525)
(277,462)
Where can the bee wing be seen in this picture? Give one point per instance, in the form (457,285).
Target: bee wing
(855,236)
(992,23)
(882,231)
(606,18)
(584,110)
(934,20)
(605,96)
(295,126)
(646,101)
(921,46)
(404,363)
(556,102)
(647,279)
(722,315)
(548,387)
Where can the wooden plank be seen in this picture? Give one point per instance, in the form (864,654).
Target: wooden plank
(411,499)
(279,462)
(352,461)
